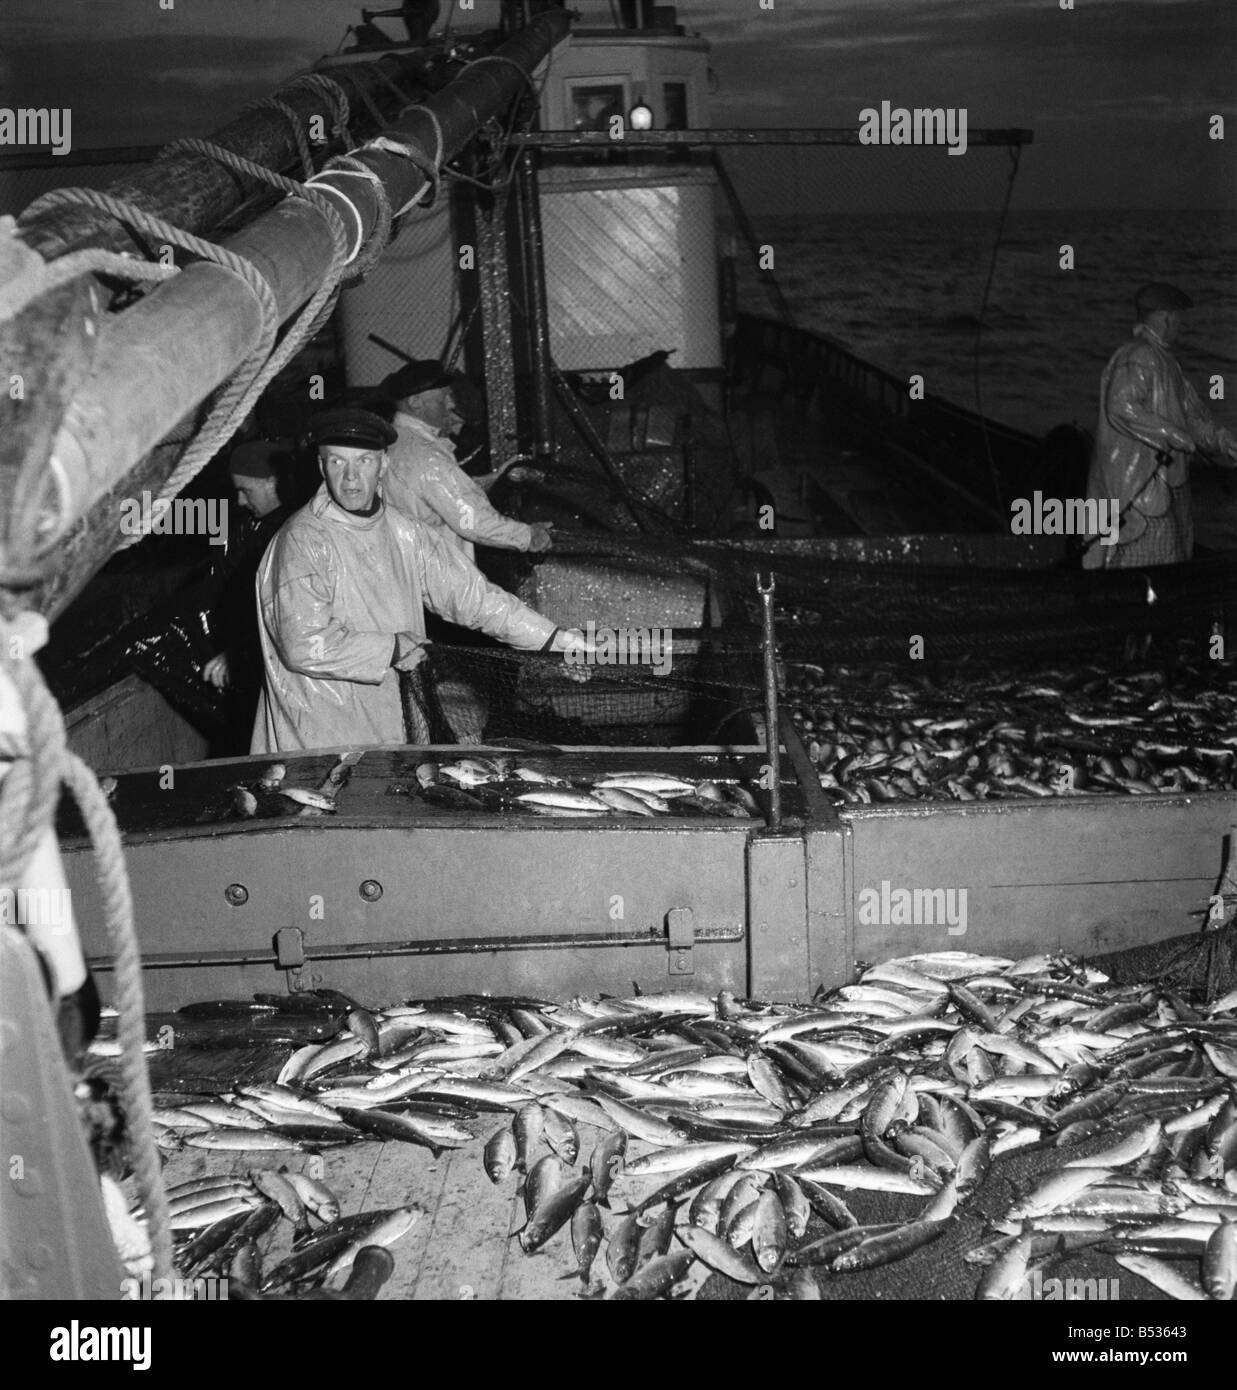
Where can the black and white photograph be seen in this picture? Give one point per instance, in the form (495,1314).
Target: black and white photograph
(797,438)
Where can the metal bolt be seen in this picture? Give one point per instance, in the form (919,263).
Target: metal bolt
(681,963)
(237,894)
(794,883)
(371,890)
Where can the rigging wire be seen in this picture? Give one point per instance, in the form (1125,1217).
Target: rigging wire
(1015,154)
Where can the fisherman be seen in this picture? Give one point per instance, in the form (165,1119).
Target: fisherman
(342,593)
(425,481)
(1150,423)
(260,471)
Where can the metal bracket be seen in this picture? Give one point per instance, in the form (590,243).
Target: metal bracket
(680,939)
(290,956)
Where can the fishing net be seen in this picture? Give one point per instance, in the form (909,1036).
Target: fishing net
(489,695)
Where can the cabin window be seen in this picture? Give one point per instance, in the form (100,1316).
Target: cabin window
(674,100)
(593,105)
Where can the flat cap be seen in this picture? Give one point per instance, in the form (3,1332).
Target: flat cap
(1158,295)
(358,429)
(259,458)
(425,374)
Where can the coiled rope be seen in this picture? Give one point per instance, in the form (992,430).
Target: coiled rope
(28,799)
(235,399)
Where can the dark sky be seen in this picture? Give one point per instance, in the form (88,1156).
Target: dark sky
(1118,92)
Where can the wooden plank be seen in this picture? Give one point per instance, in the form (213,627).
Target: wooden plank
(468,1236)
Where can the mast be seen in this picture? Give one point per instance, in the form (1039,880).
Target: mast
(152,364)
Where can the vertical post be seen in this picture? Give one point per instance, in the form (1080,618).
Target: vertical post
(538,309)
(495,296)
(772,739)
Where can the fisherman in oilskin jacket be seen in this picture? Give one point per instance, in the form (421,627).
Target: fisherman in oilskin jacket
(1151,421)
(342,593)
(426,482)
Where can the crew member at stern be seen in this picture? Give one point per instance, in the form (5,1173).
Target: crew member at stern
(342,593)
(1151,421)
(425,480)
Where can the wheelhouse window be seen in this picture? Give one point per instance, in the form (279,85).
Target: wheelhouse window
(593,105)
(674,101)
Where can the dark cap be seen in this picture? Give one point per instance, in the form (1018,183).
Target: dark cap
(427,374)
(1158,295)
(259,458)
(356,428)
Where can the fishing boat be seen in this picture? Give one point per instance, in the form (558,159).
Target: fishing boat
(578,167)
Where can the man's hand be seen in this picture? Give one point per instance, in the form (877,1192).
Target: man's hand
(409,651)
(216,671)
(541,538)
(576,649)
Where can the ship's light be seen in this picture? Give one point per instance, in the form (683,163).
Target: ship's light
(641,117)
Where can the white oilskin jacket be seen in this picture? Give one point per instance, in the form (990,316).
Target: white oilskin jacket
(333,590)
(425,482)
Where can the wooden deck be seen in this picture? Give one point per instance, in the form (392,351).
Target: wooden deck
(461,1246)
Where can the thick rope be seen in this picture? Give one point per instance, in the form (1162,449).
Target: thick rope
(28,798)
(302,140)
(334,93)
(236,162)
(430,166)
(236,398)
(130,1003)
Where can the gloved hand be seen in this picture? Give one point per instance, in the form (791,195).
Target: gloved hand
(216,671)
(409,651)
(541,540)
(574,641)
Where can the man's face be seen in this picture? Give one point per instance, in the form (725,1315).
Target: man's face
(437,409)
(257,496)
(1165,324)
(352,475)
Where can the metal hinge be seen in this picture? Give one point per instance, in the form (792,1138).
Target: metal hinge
(680,939)
(290,956)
